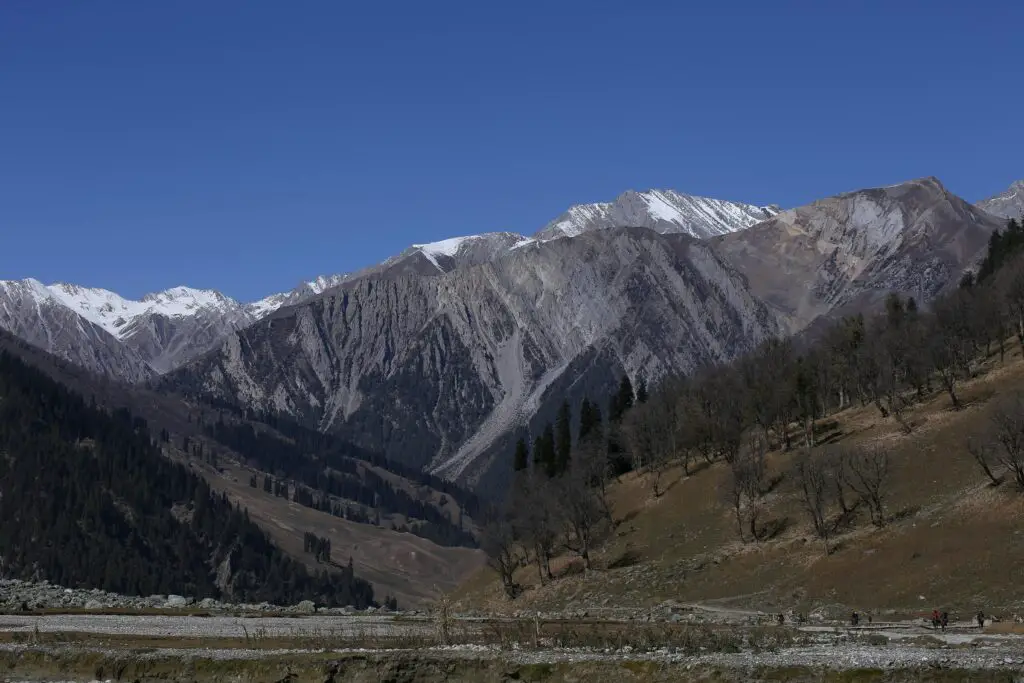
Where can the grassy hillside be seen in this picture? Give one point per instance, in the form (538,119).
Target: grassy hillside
(953,541)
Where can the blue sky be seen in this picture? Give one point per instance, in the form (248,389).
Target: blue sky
(245,145)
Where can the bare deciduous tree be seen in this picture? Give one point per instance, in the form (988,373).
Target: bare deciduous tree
(745,487)
(500,544)
(591,464)
(1003,441)
(951,345)
(1011,286)
(814,490)
(868,476)
(581,512)
(983,453)
(537,521)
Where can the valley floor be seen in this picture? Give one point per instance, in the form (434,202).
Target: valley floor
(86,647)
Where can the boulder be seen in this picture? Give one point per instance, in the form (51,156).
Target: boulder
(306,607)
(177,601)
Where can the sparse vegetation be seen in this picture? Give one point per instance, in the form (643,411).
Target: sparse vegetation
(914,368)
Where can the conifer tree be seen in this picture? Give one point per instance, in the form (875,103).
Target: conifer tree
(522,456)
(563,438)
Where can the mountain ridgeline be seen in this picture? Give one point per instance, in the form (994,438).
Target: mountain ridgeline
(446,371)
(434,371)
(442,357)
(89,500)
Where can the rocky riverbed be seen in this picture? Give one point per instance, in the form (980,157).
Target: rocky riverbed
(18,595)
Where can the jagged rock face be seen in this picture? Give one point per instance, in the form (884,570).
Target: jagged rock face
(32,312)
(847,251)
(664,211)
(434,370)
(1007,204)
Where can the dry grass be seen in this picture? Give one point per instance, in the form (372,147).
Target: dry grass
(412,569)
(952,539)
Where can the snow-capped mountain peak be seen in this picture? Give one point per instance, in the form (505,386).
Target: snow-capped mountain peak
(115,314)
(665,211)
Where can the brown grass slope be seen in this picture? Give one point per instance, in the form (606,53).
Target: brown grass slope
(954,542)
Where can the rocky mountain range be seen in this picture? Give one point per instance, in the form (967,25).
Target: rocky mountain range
(132,340)
(136,340)
(439,355)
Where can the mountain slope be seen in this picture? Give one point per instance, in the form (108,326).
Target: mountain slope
(89,501)
(1006,204)
(844,252)
(664,211)
(435,369)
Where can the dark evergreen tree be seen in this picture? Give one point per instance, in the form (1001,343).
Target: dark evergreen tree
(548,454)
(522,456)
(622,400)
(563,438)
(590,420)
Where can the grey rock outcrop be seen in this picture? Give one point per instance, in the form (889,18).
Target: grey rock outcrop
(847,252)
(1006,204)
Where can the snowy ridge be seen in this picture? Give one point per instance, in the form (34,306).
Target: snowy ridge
(115,314)
(1007,204)
(665,211)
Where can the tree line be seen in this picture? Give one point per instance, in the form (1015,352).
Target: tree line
(90,501)
(776,397)
(323,479)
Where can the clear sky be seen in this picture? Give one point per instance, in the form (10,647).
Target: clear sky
(245,145)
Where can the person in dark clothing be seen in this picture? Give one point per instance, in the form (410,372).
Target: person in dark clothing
(981,619)
(854,619)
(935,619)
(945,620)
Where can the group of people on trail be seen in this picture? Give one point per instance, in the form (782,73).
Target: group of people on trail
(940,620)
(855,619)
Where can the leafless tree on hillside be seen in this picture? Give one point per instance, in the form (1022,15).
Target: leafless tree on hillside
(653,435)
(537,521)
(500,545)
(590,462)
(745,487)
(1011,285)
(814,490)
(1003,441)
(887,362)
(983,453)
(868,477)
(951,342)
(581,512)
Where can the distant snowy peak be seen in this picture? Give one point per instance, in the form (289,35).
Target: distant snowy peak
(457,252)
(664,211)
(1007,204)
(267,305)
(115,314)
